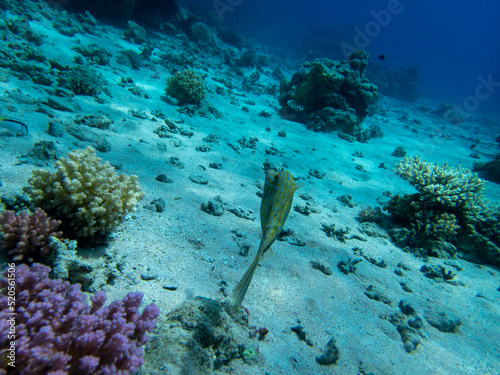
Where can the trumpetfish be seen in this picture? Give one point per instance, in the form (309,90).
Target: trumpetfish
(276,202)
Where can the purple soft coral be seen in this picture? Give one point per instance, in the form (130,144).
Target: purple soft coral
(58,333)
(26,235)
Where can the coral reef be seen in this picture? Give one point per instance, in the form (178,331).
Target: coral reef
(82,80)
(57,332)
(26,236)
(94,54)
(330,95)
(88,194)
(187,87)
(447,214)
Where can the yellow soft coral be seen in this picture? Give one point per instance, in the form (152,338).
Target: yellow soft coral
(86,192)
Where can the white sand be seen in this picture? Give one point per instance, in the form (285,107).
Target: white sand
(195,251)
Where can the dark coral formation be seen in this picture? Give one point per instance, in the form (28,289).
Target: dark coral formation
(82,80)
(330,95)
(26,236)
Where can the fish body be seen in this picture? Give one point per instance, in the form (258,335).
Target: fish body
(13,125)
(274,209)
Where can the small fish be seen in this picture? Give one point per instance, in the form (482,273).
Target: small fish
(381,57)
(13,125)
(274,209)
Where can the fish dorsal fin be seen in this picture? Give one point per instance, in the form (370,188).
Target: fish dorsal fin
(298,185)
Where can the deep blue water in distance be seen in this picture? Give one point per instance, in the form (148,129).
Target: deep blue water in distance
(455,43)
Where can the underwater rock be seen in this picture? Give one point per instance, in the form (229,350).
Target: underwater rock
(316,173)
(163,178)
(156,205)
(442,321)
(42,153)
(98,121)
(241,212)
(198,179)
(306,210)
(130,58)
(338,234)
(94,54)
(199,337)
(331,354)
(490,171)
(372,293)
(347,267)
(55,129)
(409,333)
(176,162)
(91,272)
(86,135)
(150,274)
(61,104)
(437,272)
(135,33)
(214,207)
(321,267)
(373,230)
(377,262)
(302,335)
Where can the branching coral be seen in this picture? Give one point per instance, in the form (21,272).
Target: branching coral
(26,237)
(88,193)
(442,184)
(57,332)
(187,87)
(448,212)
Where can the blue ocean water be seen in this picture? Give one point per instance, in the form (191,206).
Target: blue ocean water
(454,43)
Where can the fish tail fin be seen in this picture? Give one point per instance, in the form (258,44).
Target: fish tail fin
(242,287)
